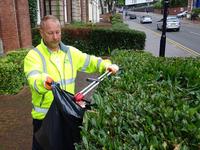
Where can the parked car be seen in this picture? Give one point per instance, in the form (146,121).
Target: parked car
(172,23)
(146,19)
(132,16)
(182,14)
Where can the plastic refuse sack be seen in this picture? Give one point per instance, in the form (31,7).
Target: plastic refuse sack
(61,127)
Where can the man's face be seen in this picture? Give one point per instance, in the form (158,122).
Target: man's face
(51,34)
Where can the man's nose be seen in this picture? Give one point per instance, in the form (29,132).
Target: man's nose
(55,36)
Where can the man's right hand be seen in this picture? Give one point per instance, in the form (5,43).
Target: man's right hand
(48,82)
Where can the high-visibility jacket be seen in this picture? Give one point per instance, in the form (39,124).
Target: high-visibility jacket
(61,66)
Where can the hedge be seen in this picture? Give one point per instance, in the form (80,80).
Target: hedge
(99,41)
(12,76)
(154,103)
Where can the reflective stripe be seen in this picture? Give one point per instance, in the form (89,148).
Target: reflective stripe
(99,62)
(40,110)
(66,50)
(87,61)
(68,81)
(70,60)
(43,60)
(33,72)
(35,87)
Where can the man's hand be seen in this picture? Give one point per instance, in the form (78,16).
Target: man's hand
(48,82)
(112,68)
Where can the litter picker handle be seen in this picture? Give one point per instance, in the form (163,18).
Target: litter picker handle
(80,95)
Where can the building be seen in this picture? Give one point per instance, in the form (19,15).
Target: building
(135,2)
(70,10)
(15,30)
(193,4)
(196,3)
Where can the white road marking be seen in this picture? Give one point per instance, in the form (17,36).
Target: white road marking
(195,33)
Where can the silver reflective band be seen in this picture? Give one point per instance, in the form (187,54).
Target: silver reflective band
(99,62)
(35,87)
(33,73)
(43,60)
(87,61)
(69,81)
(40,110)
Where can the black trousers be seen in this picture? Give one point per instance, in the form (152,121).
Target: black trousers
(36,126)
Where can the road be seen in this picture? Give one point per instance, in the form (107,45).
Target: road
(187,38)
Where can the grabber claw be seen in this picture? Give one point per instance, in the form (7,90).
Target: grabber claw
(80,95)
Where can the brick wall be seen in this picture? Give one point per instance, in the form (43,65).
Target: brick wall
(15,30)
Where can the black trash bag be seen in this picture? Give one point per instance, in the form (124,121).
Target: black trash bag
(61,127)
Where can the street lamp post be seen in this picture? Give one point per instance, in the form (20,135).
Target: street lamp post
(163,37)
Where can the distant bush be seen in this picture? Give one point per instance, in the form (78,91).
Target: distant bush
(196,11)
(158,5)
(117,18)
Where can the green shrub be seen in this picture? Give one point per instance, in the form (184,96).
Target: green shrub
(196,11)
(95,40)
(158,5)
(153,104)
(116,18)
(12,76)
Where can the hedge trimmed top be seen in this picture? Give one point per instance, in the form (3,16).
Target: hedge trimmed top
(98,41)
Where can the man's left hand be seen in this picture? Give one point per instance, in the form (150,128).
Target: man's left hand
(112,68)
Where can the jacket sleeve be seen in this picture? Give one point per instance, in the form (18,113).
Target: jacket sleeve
(34,72)
(89,63)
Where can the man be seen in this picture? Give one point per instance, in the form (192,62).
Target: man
(51,61)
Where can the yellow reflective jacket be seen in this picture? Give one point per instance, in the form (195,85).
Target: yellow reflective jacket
(61,66)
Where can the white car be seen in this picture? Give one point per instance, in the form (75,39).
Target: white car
(182,14)
(146,19)
(172,23)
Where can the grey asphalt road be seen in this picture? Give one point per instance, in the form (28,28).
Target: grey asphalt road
(176,44)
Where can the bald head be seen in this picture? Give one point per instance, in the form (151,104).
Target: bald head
(50,30)
(48,18)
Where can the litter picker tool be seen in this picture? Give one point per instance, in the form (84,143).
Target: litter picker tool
(80,95)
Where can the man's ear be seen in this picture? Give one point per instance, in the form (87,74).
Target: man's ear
(41,32)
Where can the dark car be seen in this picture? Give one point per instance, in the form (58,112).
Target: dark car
(132,16)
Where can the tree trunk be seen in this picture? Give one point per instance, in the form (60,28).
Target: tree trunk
(101,4)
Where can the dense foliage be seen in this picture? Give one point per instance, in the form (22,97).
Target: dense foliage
(153,104)
(196,11)
(95,40)
(178,3)
(117,22)
(172,3)
(12,76)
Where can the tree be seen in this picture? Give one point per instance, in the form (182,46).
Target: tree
(111,4)
(101,4)
(173,3)
(120,2)
(178,3)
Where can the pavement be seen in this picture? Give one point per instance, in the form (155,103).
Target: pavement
(152,44)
